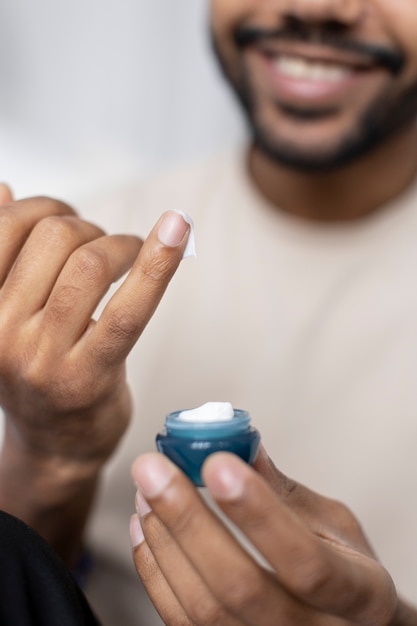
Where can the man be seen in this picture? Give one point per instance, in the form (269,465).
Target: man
(300,308)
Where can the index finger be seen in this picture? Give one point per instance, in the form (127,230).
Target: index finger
(130,309)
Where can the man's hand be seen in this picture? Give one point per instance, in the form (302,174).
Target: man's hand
(322,571)
(62,373)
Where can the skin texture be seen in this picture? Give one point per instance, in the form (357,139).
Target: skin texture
(323,573)
(62,373)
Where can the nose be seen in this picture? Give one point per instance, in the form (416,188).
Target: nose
(346,12)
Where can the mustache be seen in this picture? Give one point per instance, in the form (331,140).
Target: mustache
(383,56)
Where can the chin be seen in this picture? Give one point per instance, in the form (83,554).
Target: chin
(318,144)
(317,148)
(310,143)
(312,157)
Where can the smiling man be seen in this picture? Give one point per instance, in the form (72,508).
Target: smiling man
(329,74)
(328,88)
(301,307)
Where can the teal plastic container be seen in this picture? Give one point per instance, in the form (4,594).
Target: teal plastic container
(188,444)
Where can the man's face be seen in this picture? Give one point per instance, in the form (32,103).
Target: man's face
(322,81)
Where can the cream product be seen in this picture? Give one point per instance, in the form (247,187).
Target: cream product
(190,249)
(207,413)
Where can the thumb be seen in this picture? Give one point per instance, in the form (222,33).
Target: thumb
(305,502)
(323,516)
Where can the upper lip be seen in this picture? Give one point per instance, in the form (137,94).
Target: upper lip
(317,52)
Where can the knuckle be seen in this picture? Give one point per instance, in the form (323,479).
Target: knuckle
(91,264)
(33,372)
(344,522)
(56,228)
(62,303)
(204,610)
(383,612)
(244,591)
(121,326)
(51,388)
(157,268)
(310,576)
(184,522)
(344,516)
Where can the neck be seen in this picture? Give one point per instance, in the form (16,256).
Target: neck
(345,194)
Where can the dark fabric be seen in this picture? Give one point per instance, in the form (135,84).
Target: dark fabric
(36,589)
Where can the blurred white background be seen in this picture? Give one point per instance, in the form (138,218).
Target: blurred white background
(94,92)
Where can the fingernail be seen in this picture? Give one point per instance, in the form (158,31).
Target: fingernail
(172,229)
(135,531)
(142,507)
(153,475)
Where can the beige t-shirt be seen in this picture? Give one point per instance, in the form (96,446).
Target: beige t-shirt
(310,327)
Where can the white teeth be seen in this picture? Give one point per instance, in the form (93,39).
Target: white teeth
(304,69)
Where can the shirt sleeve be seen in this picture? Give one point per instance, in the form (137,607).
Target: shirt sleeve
(36,588)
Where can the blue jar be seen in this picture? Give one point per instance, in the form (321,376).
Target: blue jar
(188,444)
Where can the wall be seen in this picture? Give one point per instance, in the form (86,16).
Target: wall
(96,91)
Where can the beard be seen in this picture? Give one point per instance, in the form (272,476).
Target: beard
(380,122)
(384,118)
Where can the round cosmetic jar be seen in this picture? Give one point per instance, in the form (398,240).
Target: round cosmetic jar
(188,444)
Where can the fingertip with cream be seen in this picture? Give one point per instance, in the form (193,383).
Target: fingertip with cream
(173,227)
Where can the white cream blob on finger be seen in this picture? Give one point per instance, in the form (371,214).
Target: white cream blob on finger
(190,249)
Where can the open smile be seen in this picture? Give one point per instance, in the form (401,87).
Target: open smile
(314,76)
(299,68)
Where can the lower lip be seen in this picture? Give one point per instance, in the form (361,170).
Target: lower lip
(300,91)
